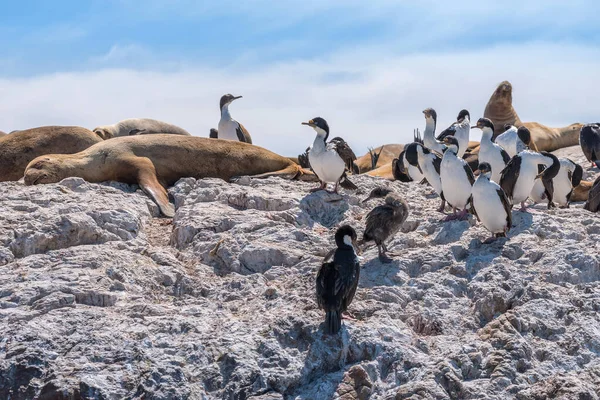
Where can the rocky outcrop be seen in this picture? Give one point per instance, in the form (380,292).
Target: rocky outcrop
(101,299)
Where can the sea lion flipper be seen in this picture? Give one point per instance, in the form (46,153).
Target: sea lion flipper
(289,172)
(150,185)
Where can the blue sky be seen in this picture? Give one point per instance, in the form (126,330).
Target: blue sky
(369,65)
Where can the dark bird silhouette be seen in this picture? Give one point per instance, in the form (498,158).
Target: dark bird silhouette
(384,221)
(589,139)
(337,279)
(593,202)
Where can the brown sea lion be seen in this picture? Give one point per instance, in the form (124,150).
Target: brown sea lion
(385,171)
(2,134)
(157,161)
(386,154)
(19,148)
(138,126)
(500,110)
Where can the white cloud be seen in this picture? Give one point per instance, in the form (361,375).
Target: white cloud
(369,96)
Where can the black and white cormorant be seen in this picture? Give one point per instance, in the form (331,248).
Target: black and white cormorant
(457,179)
(229,128)
(460,130)
(328,160)
(384,221)
(589,139)
(429,163)
(337,279)
(490,152)
(519,176)
(569,176)
(429,134)
(491,204)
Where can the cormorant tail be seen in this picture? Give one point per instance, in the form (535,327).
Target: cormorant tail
(333,322)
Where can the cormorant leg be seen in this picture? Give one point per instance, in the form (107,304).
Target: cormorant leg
(452,216)
(382,256)
(322,187)
(335,188)
(347,316)
(442,206)
(523,206)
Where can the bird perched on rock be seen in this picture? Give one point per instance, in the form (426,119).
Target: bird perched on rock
(228,127)
(378,192)
(429,163)
(337,279)
(490,152)
(491,204)
(589,139)
(343,149)
(429,134)
(384,221)
(519,176)
(593,202)
(328,160)
(457,179)
(460,130)
(569,176)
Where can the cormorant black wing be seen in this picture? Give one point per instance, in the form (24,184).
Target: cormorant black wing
(509,176)
(214,134)
(344,151)
(505,156)
(242,134)
(507,206)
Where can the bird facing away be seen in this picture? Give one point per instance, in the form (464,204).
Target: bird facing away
(337,279)
(490,152)
(327,159)
(589,139)
(228,127)
(491,204)
(593,202)
(384,221)
(457,180)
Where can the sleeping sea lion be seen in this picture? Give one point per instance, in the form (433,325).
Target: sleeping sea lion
(138,126)
(19,148)
(385,171)
(157,161)
(500,110)
(379,156)
(2,134)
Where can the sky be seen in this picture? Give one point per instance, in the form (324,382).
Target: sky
(368,67)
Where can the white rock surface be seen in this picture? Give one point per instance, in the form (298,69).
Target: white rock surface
(100,299)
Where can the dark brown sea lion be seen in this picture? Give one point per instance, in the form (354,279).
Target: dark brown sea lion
(19,148)
(157,161)
(500,110)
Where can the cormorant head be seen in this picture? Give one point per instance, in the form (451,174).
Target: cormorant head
(462,115)
(319,125)
(524,134)
(345,237)
(430,113)
(452,143)
(411,155)
(226,99)
(485,169)
(484,123)
(395,200)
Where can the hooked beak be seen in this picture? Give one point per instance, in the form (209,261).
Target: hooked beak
(357,249)
(473,127)
(367,199)
(308,123)
(237,97)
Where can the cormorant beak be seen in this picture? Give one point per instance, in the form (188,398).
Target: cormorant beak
(309,124)
(476,126)
(367,199)
(237,97)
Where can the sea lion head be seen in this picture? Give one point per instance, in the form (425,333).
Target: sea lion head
(503,92)
(104,132)
(45,169)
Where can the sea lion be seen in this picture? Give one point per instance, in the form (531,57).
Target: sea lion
(2,134)
(19,148)
(138,126)
(385,171)
(500,110)
(383,155)
(157,161)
